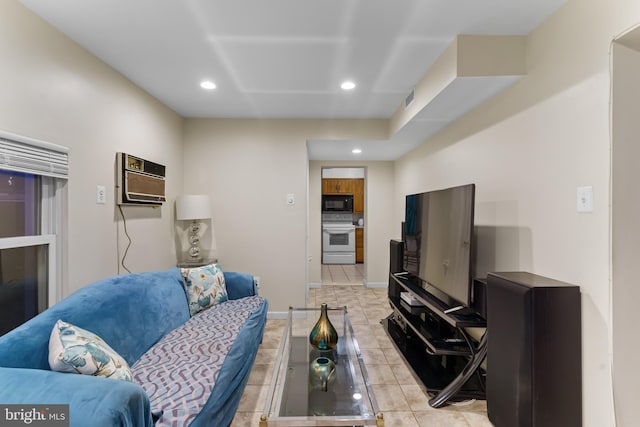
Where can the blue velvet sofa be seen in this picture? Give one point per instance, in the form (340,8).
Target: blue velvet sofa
(133,313)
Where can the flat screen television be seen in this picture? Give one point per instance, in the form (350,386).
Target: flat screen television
(438,242)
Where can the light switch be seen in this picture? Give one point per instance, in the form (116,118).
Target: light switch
(291,200)
(585,199)
(101,195)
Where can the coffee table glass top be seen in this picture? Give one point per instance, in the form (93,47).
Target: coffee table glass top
(304,391)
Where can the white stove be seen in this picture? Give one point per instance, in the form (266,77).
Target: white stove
(338,238)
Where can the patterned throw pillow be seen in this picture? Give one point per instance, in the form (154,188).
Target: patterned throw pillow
(73,349)
(204,287)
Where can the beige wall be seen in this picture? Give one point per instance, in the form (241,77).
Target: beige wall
(527,150)
(248,167)
(378,219)
(54,90)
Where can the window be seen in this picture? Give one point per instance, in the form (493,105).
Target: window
(32,188)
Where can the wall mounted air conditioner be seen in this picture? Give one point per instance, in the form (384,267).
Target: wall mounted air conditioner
(139,181)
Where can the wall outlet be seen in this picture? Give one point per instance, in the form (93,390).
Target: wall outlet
(291,200)
(257,280)
(101,195)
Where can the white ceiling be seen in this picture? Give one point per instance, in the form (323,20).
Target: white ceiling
(285,58)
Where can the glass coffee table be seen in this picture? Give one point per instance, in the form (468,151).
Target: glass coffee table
(297,397)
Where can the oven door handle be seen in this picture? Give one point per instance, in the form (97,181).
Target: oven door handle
(339,230)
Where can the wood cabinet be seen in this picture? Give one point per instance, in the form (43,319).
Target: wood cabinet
(358,195)
(337,186)
(359,245)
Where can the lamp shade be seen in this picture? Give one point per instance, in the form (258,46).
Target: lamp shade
(193,206)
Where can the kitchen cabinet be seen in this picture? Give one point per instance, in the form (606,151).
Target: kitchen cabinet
(358,195)
(337,186)
(359,245)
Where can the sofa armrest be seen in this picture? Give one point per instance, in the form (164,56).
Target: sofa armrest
(94,401)
(240,285)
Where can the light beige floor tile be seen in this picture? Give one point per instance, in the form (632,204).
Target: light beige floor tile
(416,397)
(438,417)
(253,398)
(376,313)
(271,339)
(353,310)
(473,405)
(400,419)
(403,374)
(380,374)
(367,341)
(246,419)
(476,419)
(393,357)
(363,331)
(266,356)
(260,375)
(373,356)
(378,330)
(358,319)
(385,342)
(390,398)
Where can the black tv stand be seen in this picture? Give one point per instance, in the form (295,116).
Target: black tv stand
(434,342)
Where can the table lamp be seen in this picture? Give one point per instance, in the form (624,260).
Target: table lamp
(193,207)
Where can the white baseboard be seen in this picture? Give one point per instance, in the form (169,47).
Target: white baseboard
(376,284)
(313,285)
(278,315)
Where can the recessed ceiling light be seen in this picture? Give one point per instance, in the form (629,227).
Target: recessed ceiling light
(208,84)
(348,85)
(356,151)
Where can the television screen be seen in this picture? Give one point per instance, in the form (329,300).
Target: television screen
(437,237)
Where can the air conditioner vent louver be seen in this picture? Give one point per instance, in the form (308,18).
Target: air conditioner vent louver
(139,181)
(409,99)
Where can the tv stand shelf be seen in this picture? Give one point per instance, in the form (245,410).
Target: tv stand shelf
(459,319)
(435,343)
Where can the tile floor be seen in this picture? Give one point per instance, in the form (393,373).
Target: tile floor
(401,400)
(342,274)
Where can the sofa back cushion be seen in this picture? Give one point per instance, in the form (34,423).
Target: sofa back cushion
(204,287)
(131,312)
(78,351)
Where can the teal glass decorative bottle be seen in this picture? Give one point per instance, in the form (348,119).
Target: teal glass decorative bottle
(322,372)
(323,336)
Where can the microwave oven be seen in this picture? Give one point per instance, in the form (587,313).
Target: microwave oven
(337,203)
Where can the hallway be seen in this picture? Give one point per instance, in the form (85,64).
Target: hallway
(342,274)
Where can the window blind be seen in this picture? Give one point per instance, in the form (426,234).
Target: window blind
(28,155)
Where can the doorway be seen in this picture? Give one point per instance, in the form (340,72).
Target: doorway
(624,222)
(343,182)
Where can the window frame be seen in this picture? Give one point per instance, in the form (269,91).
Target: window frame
(49,161)
(50,240)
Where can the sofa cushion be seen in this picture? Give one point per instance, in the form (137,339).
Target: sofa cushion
(204,286)
(76,350)
(181,370)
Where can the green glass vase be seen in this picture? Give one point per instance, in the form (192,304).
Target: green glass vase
(322,372)
(323,336)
